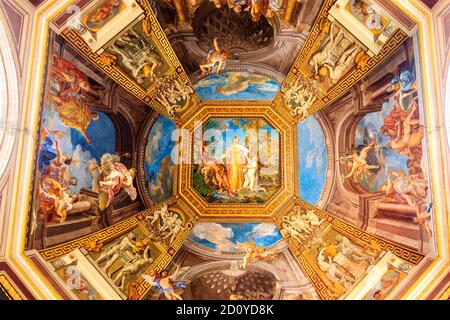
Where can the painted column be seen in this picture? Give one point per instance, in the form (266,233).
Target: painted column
(290,9)
(179,8)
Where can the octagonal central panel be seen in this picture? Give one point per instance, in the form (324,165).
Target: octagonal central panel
(240,161)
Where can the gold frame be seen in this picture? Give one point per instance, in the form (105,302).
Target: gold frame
(300,251)
(8,288)
(109,234)
(325,97)
(158,37)
(288,165)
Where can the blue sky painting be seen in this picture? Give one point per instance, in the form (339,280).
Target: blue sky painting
(225,236)
(368,129)
(102,134)
(312,158)
(237,86)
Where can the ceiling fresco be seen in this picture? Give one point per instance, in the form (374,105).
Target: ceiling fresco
(232,150)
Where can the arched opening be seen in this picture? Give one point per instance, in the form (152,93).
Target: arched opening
(447,104)
(9,101)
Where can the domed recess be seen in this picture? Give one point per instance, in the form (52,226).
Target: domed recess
(236,31)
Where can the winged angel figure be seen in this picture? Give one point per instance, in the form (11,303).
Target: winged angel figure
(167,283)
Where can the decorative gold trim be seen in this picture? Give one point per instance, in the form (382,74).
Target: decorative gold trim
(107,65)
(7,287)
(325,97)
(446,294)
(300,250)
(111,233)
(287,159)
(16,235)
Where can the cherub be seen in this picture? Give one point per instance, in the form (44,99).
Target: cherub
(157,214)
(165,283)
(216,59)
(253,252)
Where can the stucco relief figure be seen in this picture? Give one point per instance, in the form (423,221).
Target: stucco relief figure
(141,259)
(299,96)
(125,258)
(337,71)
(164,225)
(344,262)
(300,224)
(359,167)
(172,94)
(335,56)
(341,281)
(139,57)
(113,254)
(111,177)
(287,230)
(172,226)
(158,214)
(71,96)
(326,51)
(216,59)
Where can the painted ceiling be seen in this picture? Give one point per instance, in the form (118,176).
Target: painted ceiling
(241,147)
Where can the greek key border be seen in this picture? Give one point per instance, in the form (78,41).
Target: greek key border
(324,99)
(122,78)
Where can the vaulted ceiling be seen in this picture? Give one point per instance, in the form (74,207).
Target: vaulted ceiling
(234,139)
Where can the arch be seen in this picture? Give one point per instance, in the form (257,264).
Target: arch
(143,166)
(9,93)
(447,101)
(314,153)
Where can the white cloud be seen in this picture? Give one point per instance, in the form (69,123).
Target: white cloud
(309,160)
(315,132)
(216,234)
(79,168)
(263,230)
(267,86)
(153,143)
